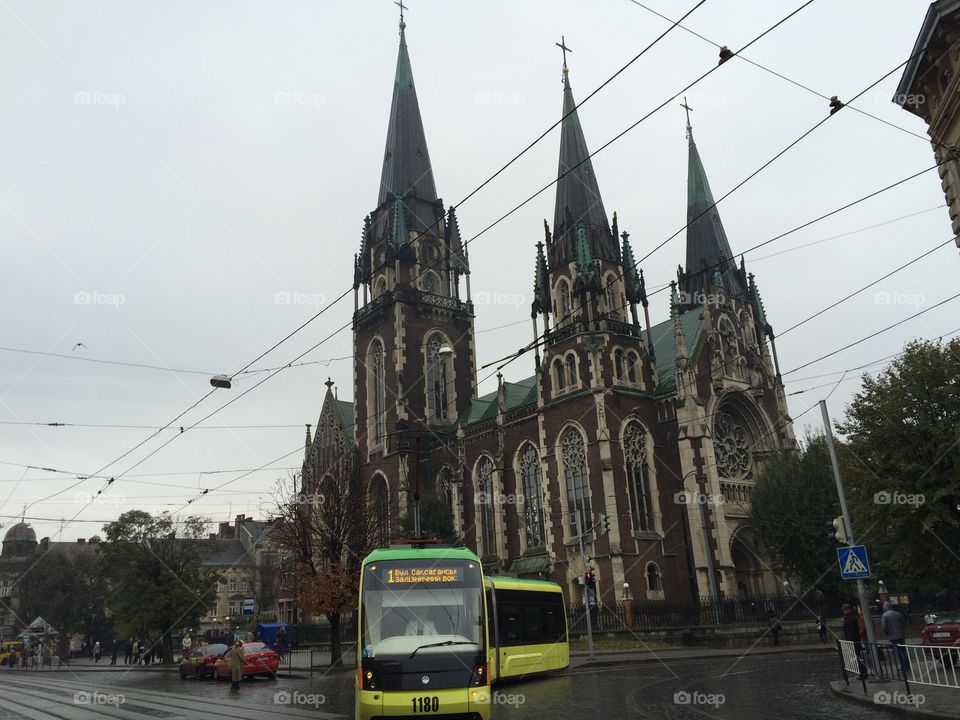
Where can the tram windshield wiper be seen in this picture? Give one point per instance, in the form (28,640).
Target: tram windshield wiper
(443,644)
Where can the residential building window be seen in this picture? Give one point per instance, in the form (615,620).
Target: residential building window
(574,457)
(638,477)
(233,608)
(532,495)
(232,587)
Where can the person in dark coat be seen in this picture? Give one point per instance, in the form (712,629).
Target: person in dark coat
(127,651)
(237,661)
(113,653)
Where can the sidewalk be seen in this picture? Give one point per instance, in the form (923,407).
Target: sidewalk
(925,701)
(580,658)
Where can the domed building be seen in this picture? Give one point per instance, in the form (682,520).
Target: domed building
(19,541)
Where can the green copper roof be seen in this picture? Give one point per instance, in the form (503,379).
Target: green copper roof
(706,238)
(346,412)
(406,162)
(399,237)
(515,395)
(577,192)
(665,347)
(758,312)
(586,266)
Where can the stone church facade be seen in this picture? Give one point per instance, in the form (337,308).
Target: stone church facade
(660,428)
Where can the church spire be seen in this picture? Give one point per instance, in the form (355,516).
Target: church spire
(406,162)
(708,251)
(578,195)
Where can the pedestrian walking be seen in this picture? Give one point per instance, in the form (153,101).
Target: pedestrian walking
(128,651)
(282,641)
(775,628)
(136,651)
(851,633)
(96,651)
(186,644)
(113,653)
(892,623)
(237,660)
(822,628)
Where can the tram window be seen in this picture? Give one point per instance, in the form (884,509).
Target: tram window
(533,630)
(530,618)
(511,624)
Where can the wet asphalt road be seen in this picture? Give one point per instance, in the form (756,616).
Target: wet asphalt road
(772,686)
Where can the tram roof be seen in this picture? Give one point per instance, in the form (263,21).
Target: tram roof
(408,552)
(524,583)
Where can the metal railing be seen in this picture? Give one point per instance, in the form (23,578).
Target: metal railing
(918,664)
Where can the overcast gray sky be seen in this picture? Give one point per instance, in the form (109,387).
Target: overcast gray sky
(184,183)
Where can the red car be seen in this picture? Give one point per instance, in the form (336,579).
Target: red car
(200,661)
(259,660)
(945,633)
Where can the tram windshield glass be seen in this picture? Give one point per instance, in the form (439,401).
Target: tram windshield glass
(416,607)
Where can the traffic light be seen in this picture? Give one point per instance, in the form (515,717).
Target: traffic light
(589,580)
(604,523)
(839,529)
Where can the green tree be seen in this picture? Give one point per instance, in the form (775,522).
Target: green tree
(793,501)
(68,591)
(902,465)
(157,581)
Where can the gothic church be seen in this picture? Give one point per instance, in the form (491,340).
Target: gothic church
(661,429)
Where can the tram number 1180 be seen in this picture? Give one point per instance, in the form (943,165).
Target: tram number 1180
(426,704)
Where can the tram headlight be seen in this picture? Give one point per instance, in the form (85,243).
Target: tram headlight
(369,680)
(481,673)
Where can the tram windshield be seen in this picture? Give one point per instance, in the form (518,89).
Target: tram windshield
(419,607)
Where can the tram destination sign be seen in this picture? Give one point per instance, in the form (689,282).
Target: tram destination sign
(425,575)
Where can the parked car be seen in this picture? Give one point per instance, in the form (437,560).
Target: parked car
(944,632)
(10,652)
(200,661)
(259,660)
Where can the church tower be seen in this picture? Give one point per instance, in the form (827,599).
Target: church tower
(415,366)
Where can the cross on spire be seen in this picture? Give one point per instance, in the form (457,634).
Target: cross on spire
(689,109)
(563,46)
(402,8)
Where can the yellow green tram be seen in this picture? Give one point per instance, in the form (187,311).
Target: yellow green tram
(434,633)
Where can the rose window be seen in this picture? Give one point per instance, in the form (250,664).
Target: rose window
(731,447)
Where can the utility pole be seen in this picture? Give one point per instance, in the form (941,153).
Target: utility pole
(416,490)
(861,587)
(586,588)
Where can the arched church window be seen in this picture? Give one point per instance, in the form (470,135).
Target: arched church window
(632,361)
(485,501)
(381,287)
(653,578)
(572,369)
(560,370)
(529,463)
(573,454)
(732,448)
(638,477)
(430,282)
(380,511)
(377,390)
(563,295)
(618,365)
(437,403)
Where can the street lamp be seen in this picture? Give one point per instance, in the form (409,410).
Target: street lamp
(221,381)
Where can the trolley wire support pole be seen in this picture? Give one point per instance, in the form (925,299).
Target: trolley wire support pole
(845,511)
(586,589)
(416,489)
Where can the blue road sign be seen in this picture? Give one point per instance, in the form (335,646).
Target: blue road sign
(249,605)
(854,564)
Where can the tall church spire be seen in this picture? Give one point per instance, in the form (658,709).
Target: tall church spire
(578,195)
(706,240)
(406,162)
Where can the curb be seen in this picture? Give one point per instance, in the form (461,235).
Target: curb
(839,688)
(659,655)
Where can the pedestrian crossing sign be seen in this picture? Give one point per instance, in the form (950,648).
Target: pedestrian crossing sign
(854,564)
